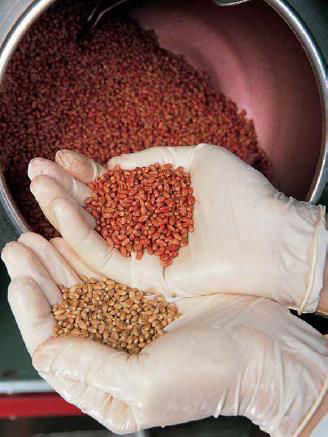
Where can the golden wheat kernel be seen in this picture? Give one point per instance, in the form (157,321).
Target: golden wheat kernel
(75,332)
(123,315)
(132,294)
(135,331)
(156,324)
(114,335)
(60,316)
(58,311)
(101,329)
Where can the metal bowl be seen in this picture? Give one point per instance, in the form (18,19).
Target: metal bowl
(261,54)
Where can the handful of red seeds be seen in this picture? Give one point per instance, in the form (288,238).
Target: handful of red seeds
(144,209)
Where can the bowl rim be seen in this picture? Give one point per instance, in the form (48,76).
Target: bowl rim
(34,9)
(317,62)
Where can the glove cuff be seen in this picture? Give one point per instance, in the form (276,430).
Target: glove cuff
(312,410)
(315,283)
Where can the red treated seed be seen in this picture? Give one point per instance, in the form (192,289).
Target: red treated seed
(139,255)
(177,236)
(166,263)
(110,242)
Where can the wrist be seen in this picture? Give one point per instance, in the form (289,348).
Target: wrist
(316,420)
(317,276)
(323,302)
(287,402)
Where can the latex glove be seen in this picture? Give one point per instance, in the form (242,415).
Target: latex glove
(230,355)
(248,237)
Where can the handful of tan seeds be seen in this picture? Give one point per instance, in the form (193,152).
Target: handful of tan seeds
(114,314)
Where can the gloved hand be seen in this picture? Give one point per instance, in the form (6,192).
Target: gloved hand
(248,237)
(230,355)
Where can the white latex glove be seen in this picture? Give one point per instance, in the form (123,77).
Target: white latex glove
(248,237)
(229,355)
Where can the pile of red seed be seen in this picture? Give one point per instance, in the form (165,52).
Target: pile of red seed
(119,93)
(145,209)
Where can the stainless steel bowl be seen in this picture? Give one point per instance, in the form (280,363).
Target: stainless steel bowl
(263,55)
